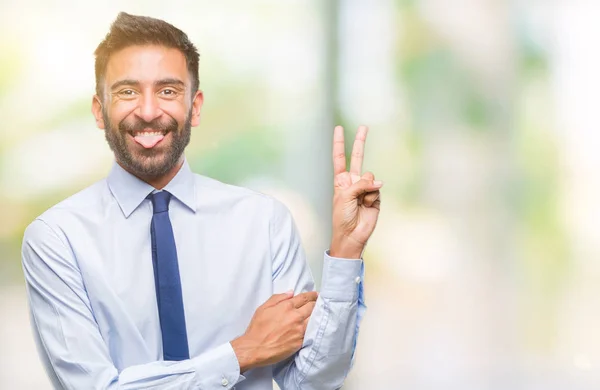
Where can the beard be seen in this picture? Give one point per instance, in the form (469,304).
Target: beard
(153,162)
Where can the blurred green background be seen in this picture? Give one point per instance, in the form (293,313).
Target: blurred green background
(484,270)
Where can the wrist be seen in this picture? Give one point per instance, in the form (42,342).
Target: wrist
(246,353)
(345,247)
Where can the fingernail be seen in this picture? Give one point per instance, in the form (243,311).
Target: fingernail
(290,292)
(377,183)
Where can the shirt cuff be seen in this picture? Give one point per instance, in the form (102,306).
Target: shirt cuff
(342,278)
(222,370)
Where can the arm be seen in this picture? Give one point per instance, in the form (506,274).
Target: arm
(69,339)
(327,351)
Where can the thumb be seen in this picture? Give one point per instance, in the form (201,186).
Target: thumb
(364,185)
(276,298)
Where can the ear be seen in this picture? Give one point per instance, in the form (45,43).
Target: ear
(196,107)
(97,111)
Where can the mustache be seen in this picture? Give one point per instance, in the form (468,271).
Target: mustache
(156,125)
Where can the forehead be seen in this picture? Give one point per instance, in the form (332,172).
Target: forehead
(146,64)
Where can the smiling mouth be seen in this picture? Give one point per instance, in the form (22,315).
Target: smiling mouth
(148,138)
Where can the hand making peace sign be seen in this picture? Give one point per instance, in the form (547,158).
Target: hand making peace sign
(355,200)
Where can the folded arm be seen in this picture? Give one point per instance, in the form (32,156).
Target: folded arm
(71,343)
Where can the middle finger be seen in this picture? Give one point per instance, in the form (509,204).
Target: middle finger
(358,151)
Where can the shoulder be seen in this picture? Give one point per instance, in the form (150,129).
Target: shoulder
(87,201)
(207,187)
(214,193)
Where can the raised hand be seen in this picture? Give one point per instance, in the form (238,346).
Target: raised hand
(276,330)
(356,198)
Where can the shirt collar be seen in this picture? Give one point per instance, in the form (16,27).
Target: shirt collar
(130,191)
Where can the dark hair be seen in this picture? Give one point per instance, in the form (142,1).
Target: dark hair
(129,30)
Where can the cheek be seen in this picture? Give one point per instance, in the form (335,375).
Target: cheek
(176,110)
(119,112)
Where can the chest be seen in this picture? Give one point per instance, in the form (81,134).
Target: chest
(224,265)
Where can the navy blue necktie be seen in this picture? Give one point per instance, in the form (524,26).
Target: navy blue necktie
(167,281)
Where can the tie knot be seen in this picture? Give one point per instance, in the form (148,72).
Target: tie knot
(160,201)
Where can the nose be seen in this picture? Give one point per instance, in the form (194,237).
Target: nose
(149,108)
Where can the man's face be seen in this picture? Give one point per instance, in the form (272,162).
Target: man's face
(147,110)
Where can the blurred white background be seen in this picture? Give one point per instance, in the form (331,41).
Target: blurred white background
(484,271)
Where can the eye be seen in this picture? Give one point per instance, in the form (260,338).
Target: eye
(126,92)
(169,92)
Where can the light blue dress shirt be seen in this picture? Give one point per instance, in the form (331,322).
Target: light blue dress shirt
(88,268)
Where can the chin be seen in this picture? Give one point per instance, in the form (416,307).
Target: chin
(149,166)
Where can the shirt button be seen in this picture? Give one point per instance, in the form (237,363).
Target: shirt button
(357,280)
(224,382)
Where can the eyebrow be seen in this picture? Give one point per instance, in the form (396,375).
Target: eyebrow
(157,83)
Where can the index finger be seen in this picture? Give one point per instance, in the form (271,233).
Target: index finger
(358,151)
(304,298)
(339,154)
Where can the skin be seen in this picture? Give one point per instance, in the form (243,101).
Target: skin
(149,88)
(148,84)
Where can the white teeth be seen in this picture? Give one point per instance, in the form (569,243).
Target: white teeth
(147,133)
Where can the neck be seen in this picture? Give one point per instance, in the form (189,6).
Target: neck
(159,182)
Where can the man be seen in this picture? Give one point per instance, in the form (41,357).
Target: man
(160,278)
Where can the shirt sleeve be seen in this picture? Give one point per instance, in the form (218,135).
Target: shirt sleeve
(69,340)
(327,352)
